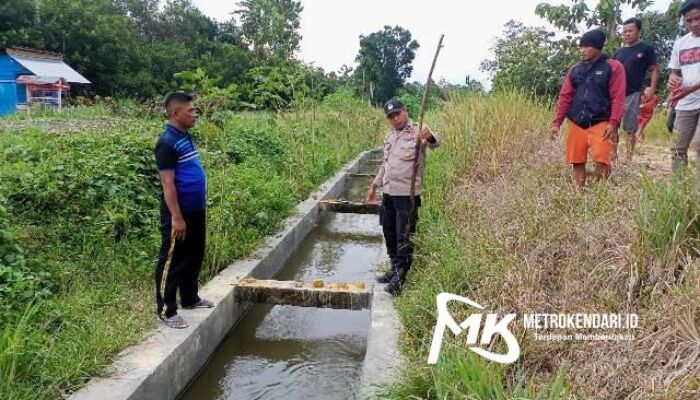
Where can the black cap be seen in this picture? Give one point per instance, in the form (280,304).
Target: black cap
(393,106)
(594,38)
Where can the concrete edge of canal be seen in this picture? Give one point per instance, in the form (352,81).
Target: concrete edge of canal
(161,366)
(382,356)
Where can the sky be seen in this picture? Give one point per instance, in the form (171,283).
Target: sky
(331,29)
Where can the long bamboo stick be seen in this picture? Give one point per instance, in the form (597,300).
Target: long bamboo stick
(419,143)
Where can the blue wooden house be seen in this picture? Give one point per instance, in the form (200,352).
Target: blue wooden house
(29,76)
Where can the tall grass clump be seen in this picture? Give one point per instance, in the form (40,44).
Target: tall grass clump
(668,218)
(13,351)
(668,232)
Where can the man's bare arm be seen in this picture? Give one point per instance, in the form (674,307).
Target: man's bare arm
(167,180)
(655,75)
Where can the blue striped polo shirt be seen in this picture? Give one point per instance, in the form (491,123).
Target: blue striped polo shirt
(176,150)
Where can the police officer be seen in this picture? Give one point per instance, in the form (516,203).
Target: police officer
(394,177)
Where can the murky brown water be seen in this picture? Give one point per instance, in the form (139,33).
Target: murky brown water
(356,188)
(370,166)
(286,352)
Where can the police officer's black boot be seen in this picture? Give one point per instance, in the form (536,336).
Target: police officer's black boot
(396,283)
(386,277)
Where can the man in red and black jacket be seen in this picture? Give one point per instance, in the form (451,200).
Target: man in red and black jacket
(592,98)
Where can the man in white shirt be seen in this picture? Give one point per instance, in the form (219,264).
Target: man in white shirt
(684,83)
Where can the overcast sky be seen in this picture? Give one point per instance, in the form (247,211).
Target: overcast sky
(330,29)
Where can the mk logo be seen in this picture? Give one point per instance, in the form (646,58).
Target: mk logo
(473,324)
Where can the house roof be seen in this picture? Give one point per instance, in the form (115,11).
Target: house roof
(45,64)
(41,80)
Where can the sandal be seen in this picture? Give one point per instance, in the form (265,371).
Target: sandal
(202,303)
(175,322)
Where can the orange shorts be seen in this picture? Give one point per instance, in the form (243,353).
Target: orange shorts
(580,140)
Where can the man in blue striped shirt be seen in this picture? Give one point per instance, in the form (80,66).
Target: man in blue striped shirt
(183,213)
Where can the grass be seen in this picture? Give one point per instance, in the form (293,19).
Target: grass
(13,351)
(79,225)
(502,225)
(668,218)
(456,258)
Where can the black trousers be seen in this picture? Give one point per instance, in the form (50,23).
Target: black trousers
(179,262)
(394,219)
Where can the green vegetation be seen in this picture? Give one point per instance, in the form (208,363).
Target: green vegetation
(501,223)
(669,220)
(456,255)
(503,226)
(138,49)
(79,222)
(79,194)
(530,58)
(133,48)
(384,62)
(535,59)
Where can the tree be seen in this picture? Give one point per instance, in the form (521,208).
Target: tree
(530,58)
(208,95)
(135,48)
(17,23)
(271,28)
(660,29)
(276,87)
(533,59)
(385,62)
(185,39)
(472,85)
(607,15)
(181,22)
(345,73)
(144,13)
(97,39)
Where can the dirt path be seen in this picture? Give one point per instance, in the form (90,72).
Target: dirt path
(652,159)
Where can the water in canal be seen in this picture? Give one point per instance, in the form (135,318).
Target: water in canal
(287,352)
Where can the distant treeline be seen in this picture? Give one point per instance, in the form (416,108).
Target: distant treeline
(144,48)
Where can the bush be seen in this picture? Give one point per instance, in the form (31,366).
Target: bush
(104,181)
(668,219)
(19,283)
